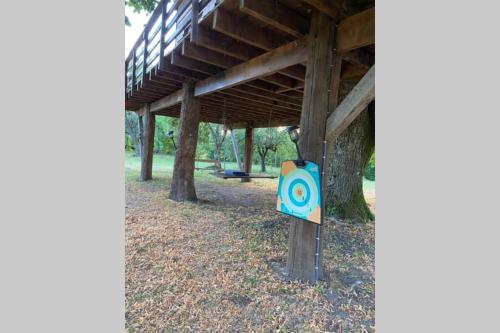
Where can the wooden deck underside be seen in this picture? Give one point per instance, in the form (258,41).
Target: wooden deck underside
(228,33)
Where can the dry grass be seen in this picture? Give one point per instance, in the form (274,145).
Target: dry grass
(212,266)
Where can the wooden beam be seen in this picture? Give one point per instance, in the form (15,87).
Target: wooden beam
(200,53)
(356,31)
(167,101)
(268,63)
(352,105)
(325,7)
(276,15)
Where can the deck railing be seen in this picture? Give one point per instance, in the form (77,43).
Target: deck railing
(163,32)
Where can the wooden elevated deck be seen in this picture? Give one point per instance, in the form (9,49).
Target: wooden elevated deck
(246,57)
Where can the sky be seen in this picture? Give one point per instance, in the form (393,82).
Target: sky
(132,33)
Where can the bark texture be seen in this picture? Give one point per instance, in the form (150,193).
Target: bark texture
(147,145)
(182,188)
(351,152)
(302,237)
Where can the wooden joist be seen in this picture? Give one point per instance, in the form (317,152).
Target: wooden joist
(276,15)
(352,72)
(360,57)
(352,105)
(270,62)
(224,44)
(252,34)
(356,31)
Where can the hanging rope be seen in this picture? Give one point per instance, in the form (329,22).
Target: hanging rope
(269,140)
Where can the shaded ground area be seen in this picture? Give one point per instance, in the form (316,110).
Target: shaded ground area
(212,266)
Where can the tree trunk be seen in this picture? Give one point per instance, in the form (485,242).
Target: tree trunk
(183,176)
(218,157)
(262,155)
(351,152)
(301,261)
(147,145)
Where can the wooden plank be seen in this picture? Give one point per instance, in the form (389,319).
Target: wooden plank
(167,101)
(163,31)
(195,8)
(352,105)
(302,240)
(268,63)
(251,34)
(276,15)
(356,31)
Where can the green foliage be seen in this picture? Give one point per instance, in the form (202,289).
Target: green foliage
(370,169)
(142,5)
(163,144)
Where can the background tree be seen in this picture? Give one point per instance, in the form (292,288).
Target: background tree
(351,152)
(132,131)
(218,134)
(140,5)
(265,140)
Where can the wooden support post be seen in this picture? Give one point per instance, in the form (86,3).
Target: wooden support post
(183,176)
(147,144)
(248,152)
(335,81)
(302,237)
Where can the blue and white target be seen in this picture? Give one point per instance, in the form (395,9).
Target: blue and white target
(299,191)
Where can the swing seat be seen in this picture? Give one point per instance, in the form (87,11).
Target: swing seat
(233,174)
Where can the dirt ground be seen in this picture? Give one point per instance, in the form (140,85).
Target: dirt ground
(214,266)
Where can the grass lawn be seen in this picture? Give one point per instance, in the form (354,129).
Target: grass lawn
(164,164)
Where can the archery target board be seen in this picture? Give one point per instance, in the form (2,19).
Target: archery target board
(299,191)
